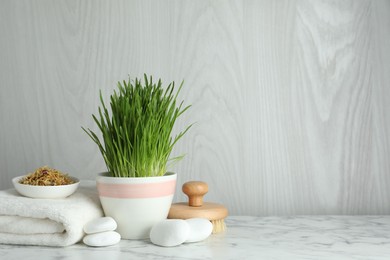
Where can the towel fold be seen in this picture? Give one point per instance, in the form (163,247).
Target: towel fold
(47,222)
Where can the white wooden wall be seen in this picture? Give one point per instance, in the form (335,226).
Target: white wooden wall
(290,98)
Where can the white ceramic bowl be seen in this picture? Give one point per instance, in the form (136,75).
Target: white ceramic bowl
(45,192)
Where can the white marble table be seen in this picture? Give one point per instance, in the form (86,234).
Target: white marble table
(310,237)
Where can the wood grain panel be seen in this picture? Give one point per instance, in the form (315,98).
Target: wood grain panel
(289,97)
(333,86)
(380,195)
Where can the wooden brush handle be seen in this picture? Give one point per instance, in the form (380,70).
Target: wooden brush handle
(195,190)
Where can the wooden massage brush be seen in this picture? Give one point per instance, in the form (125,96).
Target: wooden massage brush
(195,208)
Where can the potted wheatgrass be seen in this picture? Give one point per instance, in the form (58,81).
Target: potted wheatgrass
(136,143)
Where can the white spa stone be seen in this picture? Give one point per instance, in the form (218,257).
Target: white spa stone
(100,225)
(169,232)
(107,238)
(200,229)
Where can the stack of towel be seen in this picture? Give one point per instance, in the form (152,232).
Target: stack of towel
(47,222)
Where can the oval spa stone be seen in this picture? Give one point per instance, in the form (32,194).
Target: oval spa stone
(200,229)
(100,225)
(169,232)
(107,238)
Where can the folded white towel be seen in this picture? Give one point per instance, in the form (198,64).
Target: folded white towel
(47,222)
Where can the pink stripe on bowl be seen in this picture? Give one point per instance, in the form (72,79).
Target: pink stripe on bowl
(136,190)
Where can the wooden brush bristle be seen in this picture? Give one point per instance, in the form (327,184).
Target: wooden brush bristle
(218,225)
